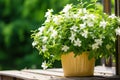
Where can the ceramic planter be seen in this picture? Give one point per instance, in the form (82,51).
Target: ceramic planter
(77,66)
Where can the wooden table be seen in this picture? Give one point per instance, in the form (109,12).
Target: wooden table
(100,73)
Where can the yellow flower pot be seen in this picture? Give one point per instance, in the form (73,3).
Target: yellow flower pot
(77,66)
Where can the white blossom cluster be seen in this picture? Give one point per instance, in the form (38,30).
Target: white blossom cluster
(76,29)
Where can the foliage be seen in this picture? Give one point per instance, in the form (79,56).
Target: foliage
(77,28)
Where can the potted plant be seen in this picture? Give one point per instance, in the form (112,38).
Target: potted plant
(79,33)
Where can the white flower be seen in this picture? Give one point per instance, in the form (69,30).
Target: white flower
(77,42)
(74,28)
(90,23)
(72,37)
(112,16)
(44,48)
(41,29)
(48,14)
(75,16)
(44,39)
(48,19)
(38,34)
(67,8)
(65,48)
(99,41)
(117,31)
(84,17)
(82,11)
(54,33)
(34,43)
(50,29)
(57,19)
(95,46)
(85,34)
(44,65)
(67,16)
(52,55)
(82,26)
(92,17)
(103,24)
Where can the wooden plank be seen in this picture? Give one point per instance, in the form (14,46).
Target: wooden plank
(105,73)
(48,72)
(98,71)
(23,75)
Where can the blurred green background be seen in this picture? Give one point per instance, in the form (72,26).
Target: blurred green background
(17,19)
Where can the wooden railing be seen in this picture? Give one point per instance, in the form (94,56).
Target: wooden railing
(117,12)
